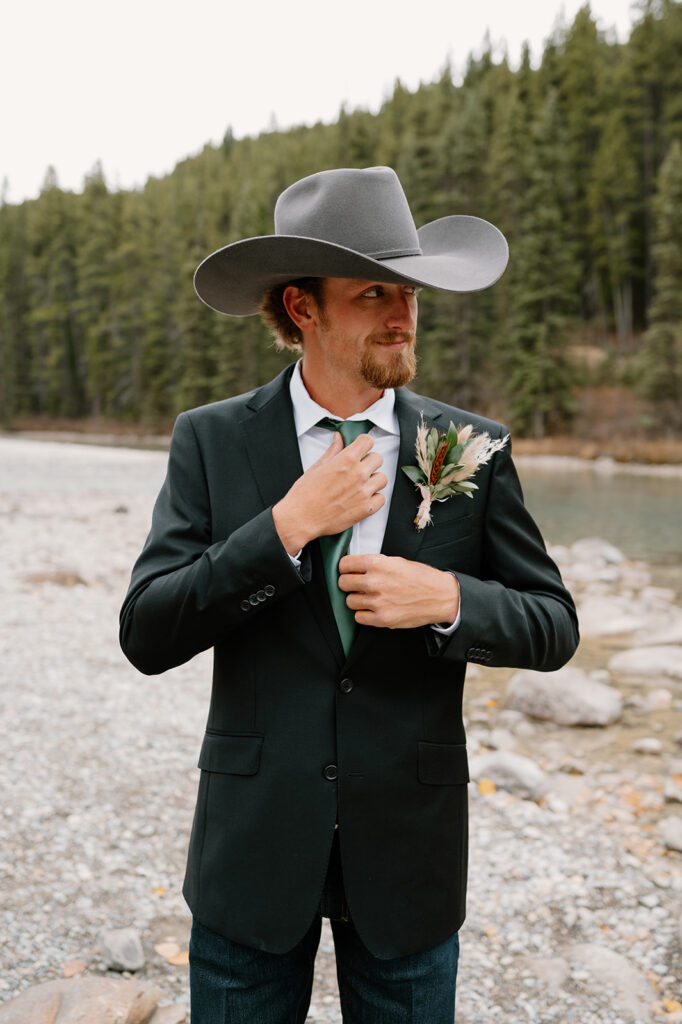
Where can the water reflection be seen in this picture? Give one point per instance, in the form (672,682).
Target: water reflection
(641,515)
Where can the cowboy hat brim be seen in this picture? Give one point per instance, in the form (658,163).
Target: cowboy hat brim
(459,254)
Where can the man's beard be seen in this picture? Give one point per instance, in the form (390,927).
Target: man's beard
(395,372)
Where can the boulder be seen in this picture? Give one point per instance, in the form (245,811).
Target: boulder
(649,662)
(175,1014)
(608,616)
(594,549)
(84,999)
(659,699)
(567,697)
(671,829)
(634,994)
(663,626)
(121,949)
(511,772)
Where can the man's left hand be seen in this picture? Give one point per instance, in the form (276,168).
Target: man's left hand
(397,594)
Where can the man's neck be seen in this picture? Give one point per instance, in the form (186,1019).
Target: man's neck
(341,398)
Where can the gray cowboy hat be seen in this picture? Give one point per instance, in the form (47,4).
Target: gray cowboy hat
(351,223)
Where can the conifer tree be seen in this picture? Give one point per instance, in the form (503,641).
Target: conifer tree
(662,355)
(543,286)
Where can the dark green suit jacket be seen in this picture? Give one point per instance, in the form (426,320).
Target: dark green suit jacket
(298,736)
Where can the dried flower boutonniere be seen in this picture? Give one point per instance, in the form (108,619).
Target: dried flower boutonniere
(446,463)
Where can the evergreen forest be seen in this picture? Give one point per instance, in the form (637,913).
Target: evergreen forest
(578,161)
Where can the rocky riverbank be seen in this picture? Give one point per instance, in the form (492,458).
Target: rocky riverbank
(575,876)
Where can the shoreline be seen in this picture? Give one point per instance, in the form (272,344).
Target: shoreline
(526,452)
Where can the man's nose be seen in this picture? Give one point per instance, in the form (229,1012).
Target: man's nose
(402,314)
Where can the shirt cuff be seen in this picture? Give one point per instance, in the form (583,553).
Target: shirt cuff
(296,559)
(447,630)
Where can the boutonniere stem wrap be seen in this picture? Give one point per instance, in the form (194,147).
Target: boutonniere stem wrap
(446,463)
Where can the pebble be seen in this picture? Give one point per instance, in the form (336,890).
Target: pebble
(647,745)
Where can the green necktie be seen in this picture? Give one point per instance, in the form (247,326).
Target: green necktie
(336,546)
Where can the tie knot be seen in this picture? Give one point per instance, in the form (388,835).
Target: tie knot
(349,429)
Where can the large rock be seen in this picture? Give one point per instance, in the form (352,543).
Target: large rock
(594,549)
(671,829)
(83,1000)
(634,995)
(663,625)
(567,696)
(121,949)
(608,616)
(650,663)
(511,772)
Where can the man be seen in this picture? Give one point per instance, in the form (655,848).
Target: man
(334,765)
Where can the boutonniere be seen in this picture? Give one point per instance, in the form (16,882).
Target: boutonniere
(446,463)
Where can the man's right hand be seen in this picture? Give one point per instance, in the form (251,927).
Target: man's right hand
(336,492)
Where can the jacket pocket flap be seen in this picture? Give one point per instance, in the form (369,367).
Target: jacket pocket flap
(230,754)
(443,764)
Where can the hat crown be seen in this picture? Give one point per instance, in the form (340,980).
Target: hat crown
(361,209)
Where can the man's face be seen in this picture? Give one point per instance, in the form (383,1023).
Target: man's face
(367,331)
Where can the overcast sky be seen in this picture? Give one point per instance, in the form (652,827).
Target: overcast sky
(140,84)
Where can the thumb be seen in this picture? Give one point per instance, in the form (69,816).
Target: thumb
(334,448)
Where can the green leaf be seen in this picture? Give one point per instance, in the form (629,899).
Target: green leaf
(466,485)
(414,473)
(452,434)
(454,455)
(432,444)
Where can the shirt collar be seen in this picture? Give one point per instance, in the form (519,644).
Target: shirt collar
(307,413)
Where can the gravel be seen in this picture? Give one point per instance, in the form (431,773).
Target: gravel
(99,779)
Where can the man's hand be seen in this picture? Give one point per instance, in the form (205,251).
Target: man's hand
(338,490)
(396,593)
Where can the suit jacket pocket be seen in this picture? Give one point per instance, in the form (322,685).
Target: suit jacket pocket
(443,764)
(231,753)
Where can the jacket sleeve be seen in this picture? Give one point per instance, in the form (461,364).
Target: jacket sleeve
(519,613)
(186,593)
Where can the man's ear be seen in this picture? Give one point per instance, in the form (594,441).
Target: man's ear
(301,307)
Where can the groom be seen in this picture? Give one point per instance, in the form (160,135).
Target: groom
(334,764)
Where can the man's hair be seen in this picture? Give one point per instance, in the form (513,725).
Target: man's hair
(275,317)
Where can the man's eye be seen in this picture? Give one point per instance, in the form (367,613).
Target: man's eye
(373,293)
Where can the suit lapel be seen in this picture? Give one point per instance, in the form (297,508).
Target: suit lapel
(272,447)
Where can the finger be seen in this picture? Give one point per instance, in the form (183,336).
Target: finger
(378,481)
(334,448)
(371,463)
(359,602)
(355,563)
(366,617)
(361,445)
(352,583)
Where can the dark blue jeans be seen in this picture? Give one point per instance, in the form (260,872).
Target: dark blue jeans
(232,984)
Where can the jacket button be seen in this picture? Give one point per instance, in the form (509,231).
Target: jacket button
(330,772)
(261,595)
(346,685)
(269,590)
(253,600)
(245,605)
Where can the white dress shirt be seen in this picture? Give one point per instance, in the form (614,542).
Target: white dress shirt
(313,441)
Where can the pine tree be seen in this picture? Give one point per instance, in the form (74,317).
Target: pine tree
(544,279)
(662,355)
(613,201)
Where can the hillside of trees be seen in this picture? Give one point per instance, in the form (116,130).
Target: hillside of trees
(578,161)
